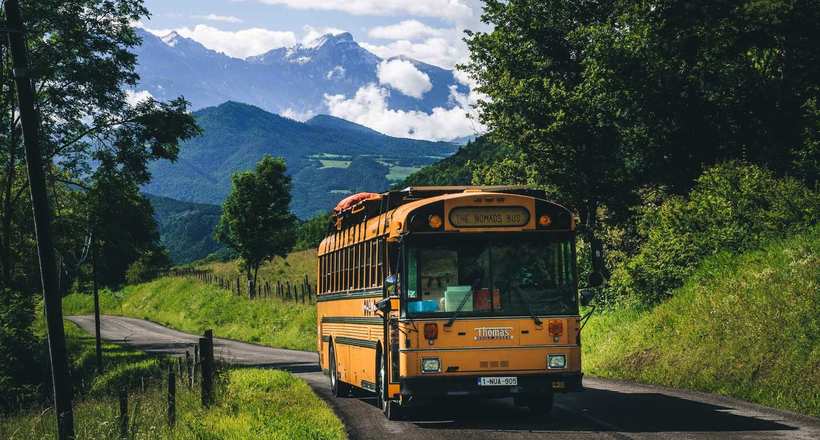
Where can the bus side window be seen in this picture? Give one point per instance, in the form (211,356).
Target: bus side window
(380,270)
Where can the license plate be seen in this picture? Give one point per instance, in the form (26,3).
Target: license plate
(497,381)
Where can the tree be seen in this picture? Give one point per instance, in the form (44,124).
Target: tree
(532,68)
(256,221)
(606,97)
(83,70)
(311,232)
(122,223)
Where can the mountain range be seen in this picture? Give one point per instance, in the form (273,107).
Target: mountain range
(327,157)
(293,80)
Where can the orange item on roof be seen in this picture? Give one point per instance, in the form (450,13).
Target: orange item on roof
(349,201)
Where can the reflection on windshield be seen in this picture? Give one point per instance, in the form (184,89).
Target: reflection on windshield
(495,277)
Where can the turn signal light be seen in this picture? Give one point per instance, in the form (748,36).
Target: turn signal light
(556,328)
(544,220)
(430,331)
(434,221)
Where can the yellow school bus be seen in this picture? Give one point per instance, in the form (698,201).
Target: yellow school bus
(431,292)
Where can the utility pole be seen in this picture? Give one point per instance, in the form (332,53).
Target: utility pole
(42,223)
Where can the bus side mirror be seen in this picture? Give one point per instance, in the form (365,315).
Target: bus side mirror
(384,306)
(587,295)
(390,281)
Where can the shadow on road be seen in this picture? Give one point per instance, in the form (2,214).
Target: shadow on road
(291,367)
(626,412)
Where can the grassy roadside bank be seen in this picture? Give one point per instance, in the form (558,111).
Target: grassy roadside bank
(743,326)
(192,306)
(251,403)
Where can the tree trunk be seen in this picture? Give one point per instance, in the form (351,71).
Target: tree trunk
(253,280)
(595,244)
(8,206)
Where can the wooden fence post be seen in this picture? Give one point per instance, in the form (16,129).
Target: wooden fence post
(207,351)
(124,413)
(172,396)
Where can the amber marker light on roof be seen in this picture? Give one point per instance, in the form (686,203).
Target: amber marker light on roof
(434,221)
(544,220)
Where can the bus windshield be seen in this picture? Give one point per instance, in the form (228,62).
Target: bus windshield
(505,276)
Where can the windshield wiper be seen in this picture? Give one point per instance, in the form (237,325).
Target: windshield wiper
(529,308)
(458,310)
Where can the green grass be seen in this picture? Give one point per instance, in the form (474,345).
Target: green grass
(334,163)
(267,404)
(251,404)
(744,326)
(293,268)
(122,366)
(398,173)
(191,306)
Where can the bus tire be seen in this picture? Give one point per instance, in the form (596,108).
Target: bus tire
(392,410)
(381,376)
(541,405)
(337,387)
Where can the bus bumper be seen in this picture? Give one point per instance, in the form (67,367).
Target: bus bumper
(453,386)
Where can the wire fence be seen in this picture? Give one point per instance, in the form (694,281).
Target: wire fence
(302,292)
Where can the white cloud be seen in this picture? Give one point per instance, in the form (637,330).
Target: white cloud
(297,115)
(369,107)
(405,30)
(438,51)
(240,44)
(403,76)
(312,33)
(222,18)
(453,10)
(133,97)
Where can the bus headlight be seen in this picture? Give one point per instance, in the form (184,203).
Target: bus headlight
(556,361)
(430,365)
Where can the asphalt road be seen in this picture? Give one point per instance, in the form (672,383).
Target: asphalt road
(606,409)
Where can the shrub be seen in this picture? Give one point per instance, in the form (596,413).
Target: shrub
(733,207)
(19,375)
(148,266)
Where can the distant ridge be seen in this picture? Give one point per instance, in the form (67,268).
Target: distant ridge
(327,157)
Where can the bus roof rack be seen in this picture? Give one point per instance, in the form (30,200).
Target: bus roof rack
(430,191)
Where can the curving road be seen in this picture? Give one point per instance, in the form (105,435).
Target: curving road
(606,409)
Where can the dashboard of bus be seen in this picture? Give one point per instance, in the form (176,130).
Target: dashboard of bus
(467,275)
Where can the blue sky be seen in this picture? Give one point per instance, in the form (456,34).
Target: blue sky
(429,30)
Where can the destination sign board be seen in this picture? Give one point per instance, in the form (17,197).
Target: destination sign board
(489,216)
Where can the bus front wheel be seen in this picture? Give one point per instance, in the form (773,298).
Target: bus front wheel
(337,387)
(391,408)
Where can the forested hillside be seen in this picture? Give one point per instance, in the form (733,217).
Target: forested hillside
(460,168)
(327,158)
(186,229)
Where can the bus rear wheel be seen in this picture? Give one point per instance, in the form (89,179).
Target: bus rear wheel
(337,387)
